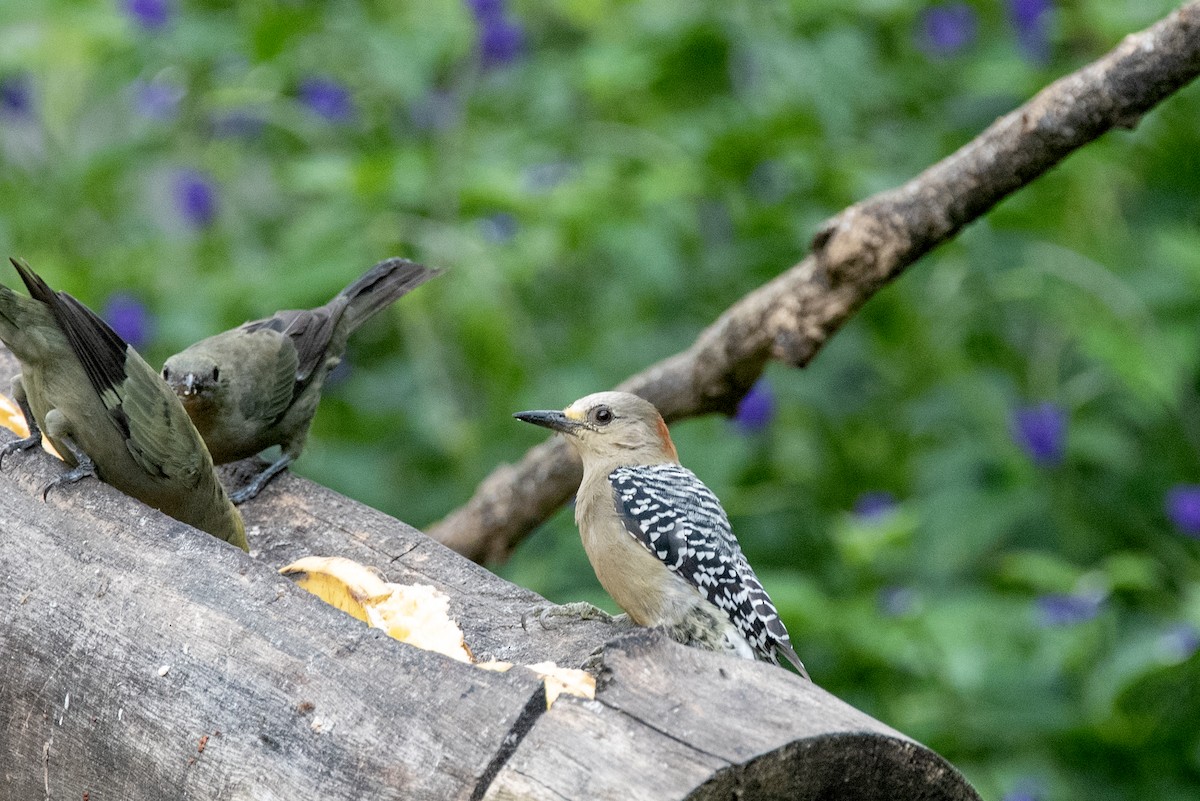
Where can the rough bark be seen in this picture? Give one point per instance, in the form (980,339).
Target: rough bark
(751,733)
(854,254)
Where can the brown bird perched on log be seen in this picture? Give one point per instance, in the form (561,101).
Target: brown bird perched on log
(106,411)
(258,385)
(657,537)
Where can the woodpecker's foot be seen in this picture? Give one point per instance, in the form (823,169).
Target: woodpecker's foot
(19,445)
(84,469)
(594,663)
(254,486)
(554,615)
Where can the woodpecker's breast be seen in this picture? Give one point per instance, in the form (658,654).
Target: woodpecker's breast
(638,582)
(642,584)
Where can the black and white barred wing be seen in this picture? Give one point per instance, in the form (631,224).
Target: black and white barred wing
(678,519)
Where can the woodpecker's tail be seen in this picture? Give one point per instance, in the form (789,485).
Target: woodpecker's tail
(377,288)
(787,652)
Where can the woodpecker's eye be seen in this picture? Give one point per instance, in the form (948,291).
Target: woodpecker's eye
(602,415)
(166,374)
(216,373)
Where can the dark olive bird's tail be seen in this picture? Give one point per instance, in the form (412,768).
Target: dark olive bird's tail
(26,325)
(320,334)
(377,288)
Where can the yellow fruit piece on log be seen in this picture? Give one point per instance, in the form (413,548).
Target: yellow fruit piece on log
(558,680)
(12,418)
(416,614)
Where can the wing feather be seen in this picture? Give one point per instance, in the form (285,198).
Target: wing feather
(138,401)
(667,509)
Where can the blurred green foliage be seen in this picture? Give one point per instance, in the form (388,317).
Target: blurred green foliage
(604,177)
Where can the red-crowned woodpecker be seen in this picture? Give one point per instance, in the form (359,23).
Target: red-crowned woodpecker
(657,537)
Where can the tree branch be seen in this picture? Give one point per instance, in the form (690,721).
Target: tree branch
(853,255)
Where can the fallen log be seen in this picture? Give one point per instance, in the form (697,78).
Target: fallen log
(143,659)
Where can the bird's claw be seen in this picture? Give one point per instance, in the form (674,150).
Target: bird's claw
(83,470)
(23,444)
(595,661)
(547,616)
(246,492)
(255,485)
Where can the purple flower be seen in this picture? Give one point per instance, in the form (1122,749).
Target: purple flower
(327,98)
(946,29)
(1041,430)
(1025,790)
(1021,794)
(874,505)
(16,95)
(237,123)
(544,177)
(499,227)
(487,9)
(128,317)
(152,15)
(500,41)
(1179,642)
(156,100)
(1029,19)
(1183,507)
(756,410)
(897,601)
(195,198)
(1060,609)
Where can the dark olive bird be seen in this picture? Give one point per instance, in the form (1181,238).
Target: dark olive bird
(106,411)
(258,385)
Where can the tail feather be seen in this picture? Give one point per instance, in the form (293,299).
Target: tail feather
(382,285)
(25,323)
(787,652)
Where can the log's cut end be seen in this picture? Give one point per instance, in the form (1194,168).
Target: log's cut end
(671,722)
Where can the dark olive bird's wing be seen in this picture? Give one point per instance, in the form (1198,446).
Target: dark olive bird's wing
(309,332)
(264,363)
(161,436)
(98,348)
(137,400)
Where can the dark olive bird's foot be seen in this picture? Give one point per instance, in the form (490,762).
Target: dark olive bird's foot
(554,615)
(19,445)
(83,470)
(255,485)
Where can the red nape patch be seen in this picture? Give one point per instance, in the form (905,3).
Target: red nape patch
(668,445)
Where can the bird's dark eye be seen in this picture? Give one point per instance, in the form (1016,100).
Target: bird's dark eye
(602,415)
(166,374)
(216,373)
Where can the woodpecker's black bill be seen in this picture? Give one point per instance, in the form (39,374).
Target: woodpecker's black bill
(549,418)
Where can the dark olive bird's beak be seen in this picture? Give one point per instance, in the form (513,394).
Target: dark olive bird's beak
(185,386)
(550,418)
